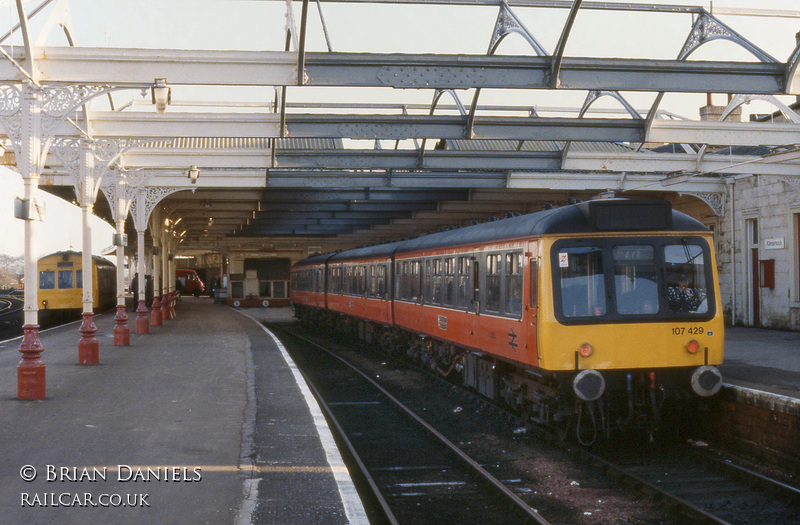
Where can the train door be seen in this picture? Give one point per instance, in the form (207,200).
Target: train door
(532,310)
(753,278)
(473,283)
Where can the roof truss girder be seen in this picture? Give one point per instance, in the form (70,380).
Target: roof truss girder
(665,163)
(107,124)
(138,68)
(410,160)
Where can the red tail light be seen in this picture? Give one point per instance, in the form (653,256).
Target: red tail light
(585,349)
(693,346)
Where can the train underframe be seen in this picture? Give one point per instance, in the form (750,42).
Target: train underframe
(633,401)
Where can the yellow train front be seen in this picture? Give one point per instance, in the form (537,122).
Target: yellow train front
(589,317)
(60,284)
(629,317)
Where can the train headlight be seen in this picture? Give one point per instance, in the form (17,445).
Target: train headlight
(585,350)
(589,385)
(693,346)
(706,381)
(44,303)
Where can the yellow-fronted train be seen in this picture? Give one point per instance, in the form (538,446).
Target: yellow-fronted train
(590,317)
(60,283)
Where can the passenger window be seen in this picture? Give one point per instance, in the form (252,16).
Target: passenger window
(450,281)
(513,284)
(414,282)
(404,283)
(635,280)
(47,280)
(583,290)
(427,293)
(463,292)
(79,278)
(361,280)
(436,281)
(382,281)
(493,283)
(65,279)
(687,291)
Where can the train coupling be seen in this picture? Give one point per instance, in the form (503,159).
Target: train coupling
(589,385)
(706,380)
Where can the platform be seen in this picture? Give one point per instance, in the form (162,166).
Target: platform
(762,368)
(204,420)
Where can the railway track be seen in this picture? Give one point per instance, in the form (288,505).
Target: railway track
(683,484)
(416,474)
(707,488)
(11,319)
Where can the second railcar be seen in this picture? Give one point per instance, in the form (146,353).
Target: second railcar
(60,284)
(602,310)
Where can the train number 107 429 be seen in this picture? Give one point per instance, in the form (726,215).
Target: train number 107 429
(692,330)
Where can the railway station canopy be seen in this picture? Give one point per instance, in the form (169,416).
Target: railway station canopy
(300,126)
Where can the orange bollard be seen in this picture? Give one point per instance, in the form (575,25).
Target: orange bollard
(155,314)
(142,323)
(31,369)
(122,332)
(88,347)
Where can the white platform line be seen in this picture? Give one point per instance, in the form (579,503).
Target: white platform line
(353,507)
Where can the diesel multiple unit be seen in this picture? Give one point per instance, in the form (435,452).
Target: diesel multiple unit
(590,316)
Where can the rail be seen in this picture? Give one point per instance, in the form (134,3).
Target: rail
(472,465)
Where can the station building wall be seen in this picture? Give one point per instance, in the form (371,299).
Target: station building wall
(758,253)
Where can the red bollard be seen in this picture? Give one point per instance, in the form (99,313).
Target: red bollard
(88,347)
(142,323)
(122,332)
(155,314)
(165,307)
(31,370)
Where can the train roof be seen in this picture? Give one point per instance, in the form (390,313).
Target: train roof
(606,215)
(96,258)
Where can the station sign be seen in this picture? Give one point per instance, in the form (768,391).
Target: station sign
(774,244)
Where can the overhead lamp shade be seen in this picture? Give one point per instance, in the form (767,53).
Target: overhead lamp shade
(194,173)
